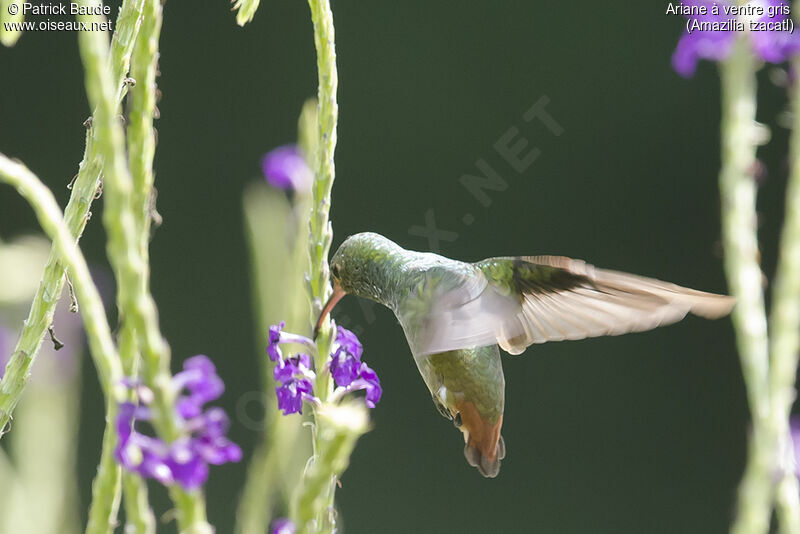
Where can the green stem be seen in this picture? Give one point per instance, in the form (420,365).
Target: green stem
(127,29)
(321,233)
(141,134)
(139,517)
(106,486)
(141,150)
(338,427)
(124,253)
(785,331)
(49,215)
(76,215)
(105,489)
(738,197)
(315,496)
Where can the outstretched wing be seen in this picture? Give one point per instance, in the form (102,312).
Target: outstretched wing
(537,299)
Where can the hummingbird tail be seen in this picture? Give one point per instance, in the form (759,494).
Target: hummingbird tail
(484,446)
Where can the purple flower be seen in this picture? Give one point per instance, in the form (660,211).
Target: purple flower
(292,393)
(203,438)
(296,379)
(713,34)
(273,351)
(294,374)
(282,526)
(296,383)
(286,168)
(348,342)
(349,373)
(368,380)
(346,358)
(278,336)
(199,376)
(344,368)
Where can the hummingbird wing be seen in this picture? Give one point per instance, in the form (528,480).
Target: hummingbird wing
(535,299)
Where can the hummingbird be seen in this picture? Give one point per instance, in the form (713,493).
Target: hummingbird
(457,315)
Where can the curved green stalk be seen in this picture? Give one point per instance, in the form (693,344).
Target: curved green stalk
(105,489)
(124,253)
(738,196)
(76,214)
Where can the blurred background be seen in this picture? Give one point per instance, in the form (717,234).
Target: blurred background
(641,433)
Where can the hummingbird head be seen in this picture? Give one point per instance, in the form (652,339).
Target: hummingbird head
(360,267)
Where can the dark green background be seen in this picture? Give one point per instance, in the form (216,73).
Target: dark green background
(641,433)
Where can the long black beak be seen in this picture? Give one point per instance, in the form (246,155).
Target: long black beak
(338,293)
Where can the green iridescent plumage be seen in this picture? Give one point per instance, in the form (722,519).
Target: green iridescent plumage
(455,315)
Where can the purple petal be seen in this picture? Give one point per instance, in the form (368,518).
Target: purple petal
(154,466)
(285,373)
(286,168)
(125,422)
(344,368)
(202,441)
(348,341)
(188,408)
(203,382)
(273,351)
(291,395)
(374,390)
(199,376)
(714,46)
(191,472)
(368,380)
(220,451)
(302,361)
(778,45)
(282,526)
(215,422)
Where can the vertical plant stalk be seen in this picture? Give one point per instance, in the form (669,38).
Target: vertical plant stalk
(338,429)
(105,488)
(321,232)
(141,134)
(76,214)
(785,331)
(313,504)
(141,151)
(124,252)
(740,241)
